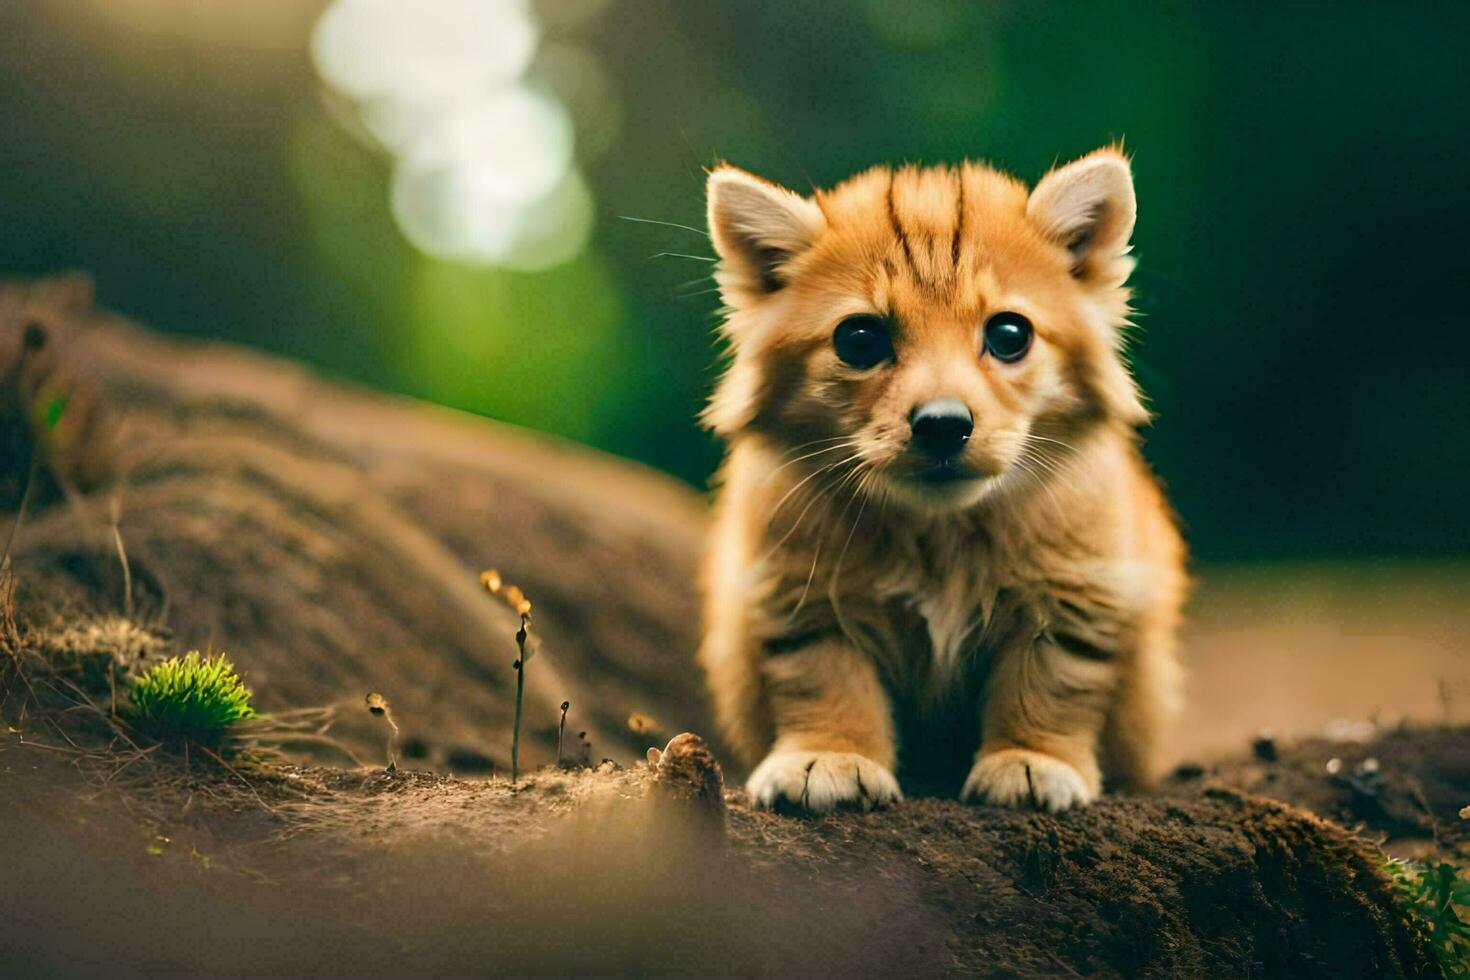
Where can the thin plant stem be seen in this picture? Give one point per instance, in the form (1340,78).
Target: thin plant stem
(122,557)
(20,511)
(561,731)
(378,705)
(392,744)
(516,599)
(515,738)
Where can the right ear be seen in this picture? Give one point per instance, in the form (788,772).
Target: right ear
(757,228)
(1088,207)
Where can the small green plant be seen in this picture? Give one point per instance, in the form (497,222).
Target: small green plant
(193,698)
(1436,896)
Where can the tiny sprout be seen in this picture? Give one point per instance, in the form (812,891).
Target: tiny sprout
(561,730)
(512,596)
(378,706)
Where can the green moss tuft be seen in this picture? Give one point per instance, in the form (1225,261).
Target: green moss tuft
(1435,896)
(195,698)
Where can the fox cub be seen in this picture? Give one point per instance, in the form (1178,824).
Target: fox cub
(938,555)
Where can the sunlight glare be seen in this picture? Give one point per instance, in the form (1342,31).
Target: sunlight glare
(482,161)
(425,52)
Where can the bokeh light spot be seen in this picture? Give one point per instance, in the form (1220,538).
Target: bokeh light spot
(482,161)
(422,52)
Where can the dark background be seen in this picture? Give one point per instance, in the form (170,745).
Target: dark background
(1302,176)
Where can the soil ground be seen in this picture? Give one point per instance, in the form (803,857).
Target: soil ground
(195,496)
(280,868)
(1310,649)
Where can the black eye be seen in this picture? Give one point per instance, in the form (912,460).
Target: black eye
(1008,336)
(862,341)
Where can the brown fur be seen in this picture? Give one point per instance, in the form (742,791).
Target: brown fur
(1025,618)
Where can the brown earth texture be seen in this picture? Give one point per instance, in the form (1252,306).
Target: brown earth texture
(170,496)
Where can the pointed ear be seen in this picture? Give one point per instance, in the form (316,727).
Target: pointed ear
(1088,206)
(757,227)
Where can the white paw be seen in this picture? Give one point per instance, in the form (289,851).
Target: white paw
(1019,777)
(816,782)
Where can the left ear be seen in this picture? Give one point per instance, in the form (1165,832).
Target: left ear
(1088,207)
(757,228)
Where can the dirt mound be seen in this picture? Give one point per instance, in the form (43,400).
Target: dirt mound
(331,540)
(1405,786)
(297,869)
(187,496)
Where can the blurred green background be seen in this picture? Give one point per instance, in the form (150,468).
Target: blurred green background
(1301,170)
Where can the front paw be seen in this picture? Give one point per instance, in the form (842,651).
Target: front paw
(817,782)
(1020,777)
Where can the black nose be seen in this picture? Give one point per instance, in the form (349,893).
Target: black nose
(941,427)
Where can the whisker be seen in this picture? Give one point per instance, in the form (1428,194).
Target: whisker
(666,224)
(842,442)
(821,490)
(1043,468)
(1025,463)
(1055,442)
(837,568)
(816,495)
(811,476)
(812,572)
(683,255)
(818,442)
(1054,465)
(859,472)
